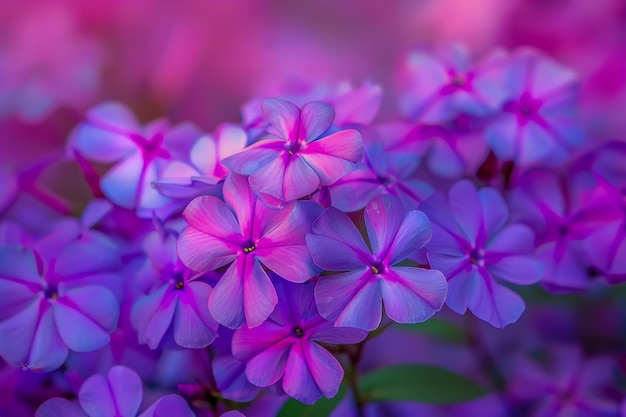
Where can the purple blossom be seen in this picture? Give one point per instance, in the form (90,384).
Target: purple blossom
(382,171)
(119,393)
(539,121)
(140,155)
(299,154)
(437,88)
(286,346)
(354,298)
(246,234)
(57,295)
(173,308)
(476,248)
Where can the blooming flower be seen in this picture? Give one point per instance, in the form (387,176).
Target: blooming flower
(286,346)
(57,295)
(246,234)
(298,155)
(476,249)
(539,120)
(116,394)
(111,134)
(354,298)
(436,89)
(174,306)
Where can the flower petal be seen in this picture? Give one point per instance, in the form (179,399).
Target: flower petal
(230,379)
(194,328)
(152,315)
(121,183)
(168,406)
(59,407)
(226,300)
(267,367)
(20,330)
(79,332)
(495,303)
(334,155)
(202,252)
(383,216)
(48,352)
(254,157)
(300,179)
(96,398)
(126,388)
(517,269)
(495,210)
(284,117)
(267,181)
(466,209)
(315,119)
(95,302)
(212,216)
(413,295)
(414,232)
(259,295)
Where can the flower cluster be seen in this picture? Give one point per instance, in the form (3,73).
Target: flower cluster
(232,270)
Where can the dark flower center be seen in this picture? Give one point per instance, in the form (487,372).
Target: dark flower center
(51,292)
(299,332)
(248,247)
(377,269)
(476,255)
(179,282)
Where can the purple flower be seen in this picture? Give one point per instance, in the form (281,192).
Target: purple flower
(539,122)
(246,234)
(436,89)
(173,309)
(382,171)
(298,155)
(57,296)
(111,134)
(355,298)
(119,394)
(286,346)
(476,249)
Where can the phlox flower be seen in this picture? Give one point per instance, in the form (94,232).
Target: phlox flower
(539,119)
(299,153)
(286,346)
(382,171)
(476,248)
(355,298)
(57,294)
(140,154)
(436,88)
(173,307)
(118,394)
(243,232)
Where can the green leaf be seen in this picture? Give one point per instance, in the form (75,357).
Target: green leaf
(322,408)
(440,329)
(423,383)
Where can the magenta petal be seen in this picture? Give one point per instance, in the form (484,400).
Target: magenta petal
(300,179)
(466,208)
(414,232)
(332,255)
(335,155)
(267,367)
(315,119)
(495,304)
(247,342)
(48,352)
(59,407)
(212,216)
(152,316)
(230,378)
(20,330)
(267,181)
(517,269)
(413,295)
(121,183)
(226,300)
(240,197)
(383,216)
(127,390)
(194,327)
(299,268)
(259,295)
(169,406)
(79,332)
(202,252)
(254,157)
(312,372)
(284,117)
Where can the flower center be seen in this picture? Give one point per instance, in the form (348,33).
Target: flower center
(51,293)
(179,282)
(248,247)
(299,332)
(377,269)
(476,256)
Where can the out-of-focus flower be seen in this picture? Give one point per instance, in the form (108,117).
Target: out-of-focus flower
(286,346)
(476,248)
(539,122)
(246,234)
(355,298)
(299,154)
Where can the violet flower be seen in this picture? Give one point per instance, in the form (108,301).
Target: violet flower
(539,123)
(299,154)
(286,346)
(246,234)
(476,249)
(173,309)
(355,298)
(118,394)
(57,295)
(112,135)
